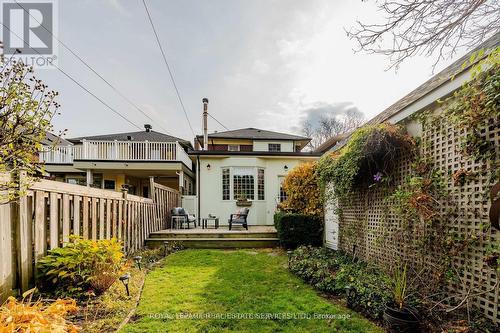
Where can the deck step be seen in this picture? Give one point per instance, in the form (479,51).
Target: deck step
(216,243)
(236,234)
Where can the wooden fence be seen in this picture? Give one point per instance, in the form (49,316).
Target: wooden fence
(49,212)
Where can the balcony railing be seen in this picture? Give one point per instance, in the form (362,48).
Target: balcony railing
(115,151)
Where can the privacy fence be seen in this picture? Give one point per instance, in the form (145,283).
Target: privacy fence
(369,223)
(49,212)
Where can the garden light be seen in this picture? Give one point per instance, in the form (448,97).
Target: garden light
(165,245)
(125,279)
(137,260)
(289,254)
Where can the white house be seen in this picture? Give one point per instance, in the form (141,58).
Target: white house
(249,163)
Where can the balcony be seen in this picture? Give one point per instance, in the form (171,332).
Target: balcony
(140,151)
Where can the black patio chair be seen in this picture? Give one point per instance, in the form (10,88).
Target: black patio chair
(239,218)
(185,216)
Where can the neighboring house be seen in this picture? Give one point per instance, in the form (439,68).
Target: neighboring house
(113,160)
(248,163)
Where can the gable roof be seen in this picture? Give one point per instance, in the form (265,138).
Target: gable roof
(151,136)
(331,142)
(255,134)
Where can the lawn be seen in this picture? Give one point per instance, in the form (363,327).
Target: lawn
(217,283)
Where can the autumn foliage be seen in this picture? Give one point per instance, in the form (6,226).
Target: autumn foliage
(26,316)
(303,191)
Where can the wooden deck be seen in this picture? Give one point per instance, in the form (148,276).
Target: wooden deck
(238,237)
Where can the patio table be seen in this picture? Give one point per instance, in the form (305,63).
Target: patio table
(204,222)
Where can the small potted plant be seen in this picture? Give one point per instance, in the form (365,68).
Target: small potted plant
(398,315)
(242,201)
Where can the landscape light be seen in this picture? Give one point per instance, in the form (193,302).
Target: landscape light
(165,245)
(289,254)
(125,279)
(137,260)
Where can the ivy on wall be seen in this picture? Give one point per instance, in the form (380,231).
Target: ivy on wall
(366,159)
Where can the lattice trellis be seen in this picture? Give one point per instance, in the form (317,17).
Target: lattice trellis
(367,224)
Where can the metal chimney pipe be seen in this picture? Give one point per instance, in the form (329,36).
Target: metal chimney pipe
(205,123)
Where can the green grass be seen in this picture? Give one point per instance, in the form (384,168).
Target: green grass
(243,281)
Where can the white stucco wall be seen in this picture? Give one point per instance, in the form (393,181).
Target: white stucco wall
(261,211)
(286,146)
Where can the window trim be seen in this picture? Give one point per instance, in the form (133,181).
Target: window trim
(274,144)
(231,183)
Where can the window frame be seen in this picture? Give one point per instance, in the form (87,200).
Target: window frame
(275,145)
(230,185)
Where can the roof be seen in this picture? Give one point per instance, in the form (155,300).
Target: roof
(52,139)
(434,82)
(255,134)
(151,136)
(330,143)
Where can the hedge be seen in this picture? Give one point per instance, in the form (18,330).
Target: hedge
(298,229)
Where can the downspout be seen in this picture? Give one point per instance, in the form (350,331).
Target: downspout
(198,186)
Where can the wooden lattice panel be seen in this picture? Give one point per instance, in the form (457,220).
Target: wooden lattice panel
(368,224)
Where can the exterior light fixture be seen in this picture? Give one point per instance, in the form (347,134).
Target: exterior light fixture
(289,254)
(209,166)
(125,279)
(137,260)
(285,167)
(165,246)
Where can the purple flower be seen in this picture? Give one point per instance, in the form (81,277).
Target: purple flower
(377,177)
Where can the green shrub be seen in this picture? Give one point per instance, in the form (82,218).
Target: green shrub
(298,229)
(334,272)
(79,267)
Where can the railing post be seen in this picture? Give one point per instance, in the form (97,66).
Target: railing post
(85,146)
(116,149)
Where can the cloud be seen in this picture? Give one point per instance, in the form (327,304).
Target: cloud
(321,110)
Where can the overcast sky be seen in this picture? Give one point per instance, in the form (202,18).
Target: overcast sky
(261,63)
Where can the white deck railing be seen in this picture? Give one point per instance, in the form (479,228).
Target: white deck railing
(115,151)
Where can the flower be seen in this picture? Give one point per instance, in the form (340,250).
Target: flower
(377,177)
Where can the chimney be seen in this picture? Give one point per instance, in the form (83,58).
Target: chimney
(205,124)
(148,127)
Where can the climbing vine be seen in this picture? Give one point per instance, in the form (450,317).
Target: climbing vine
(367,158)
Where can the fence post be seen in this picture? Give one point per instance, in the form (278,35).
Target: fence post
(122,224)
(24,232)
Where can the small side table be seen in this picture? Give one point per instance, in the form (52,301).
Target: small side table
(204,222)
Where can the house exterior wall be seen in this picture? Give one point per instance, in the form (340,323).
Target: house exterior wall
(286,146)
(261,211)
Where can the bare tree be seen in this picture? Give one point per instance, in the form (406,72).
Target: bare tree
(331,125)
(426,27)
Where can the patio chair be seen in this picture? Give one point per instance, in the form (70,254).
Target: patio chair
(239,218)
(181,215)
